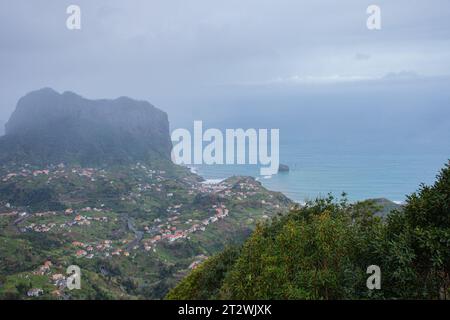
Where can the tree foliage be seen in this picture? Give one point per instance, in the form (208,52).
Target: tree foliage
(323,249)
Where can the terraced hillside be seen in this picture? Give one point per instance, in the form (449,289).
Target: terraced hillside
(134,230)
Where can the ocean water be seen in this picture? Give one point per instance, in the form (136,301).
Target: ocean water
(316,171)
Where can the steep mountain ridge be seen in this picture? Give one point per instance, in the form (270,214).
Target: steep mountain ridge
(48,127)
(91,183)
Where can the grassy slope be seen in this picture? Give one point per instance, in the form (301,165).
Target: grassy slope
(118,192)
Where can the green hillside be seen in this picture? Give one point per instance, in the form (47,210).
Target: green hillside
(323,250)
(134,230)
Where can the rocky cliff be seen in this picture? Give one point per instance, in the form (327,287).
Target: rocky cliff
(48,127)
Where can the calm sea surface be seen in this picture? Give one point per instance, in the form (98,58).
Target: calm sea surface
(316,171)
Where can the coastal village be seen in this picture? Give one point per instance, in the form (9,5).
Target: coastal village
(178,208)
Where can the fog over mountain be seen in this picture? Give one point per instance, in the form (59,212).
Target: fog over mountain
(2,127)
(86,177)
(300,66)
(48,127)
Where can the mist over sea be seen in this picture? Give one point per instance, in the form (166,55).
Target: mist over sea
(369,140)
(362,175)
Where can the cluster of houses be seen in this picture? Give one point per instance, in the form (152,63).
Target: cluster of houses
(213,187)
(85,172)
(157,185)
(104,248)
(39,172)
(87,250)
(41,228)
(43,269)
(10,176)
(58,280)
(78,220)
(172,230)
(81,220)
(158,175)
(241,190)
(171,233)
(25,172)
(53,172)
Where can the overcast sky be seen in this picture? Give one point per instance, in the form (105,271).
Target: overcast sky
(175,52)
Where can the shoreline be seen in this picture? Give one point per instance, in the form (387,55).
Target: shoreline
(261,179)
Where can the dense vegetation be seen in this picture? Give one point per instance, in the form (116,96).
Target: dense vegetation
(132,208)
(322,251)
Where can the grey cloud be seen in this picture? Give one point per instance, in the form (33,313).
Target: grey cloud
(159,50)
